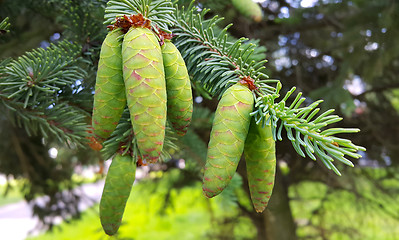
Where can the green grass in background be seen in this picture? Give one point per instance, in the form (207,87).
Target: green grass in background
(13,194)
(154,212)
(342,215)
(187,215)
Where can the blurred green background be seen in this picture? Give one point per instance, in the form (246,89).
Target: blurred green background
(344,52)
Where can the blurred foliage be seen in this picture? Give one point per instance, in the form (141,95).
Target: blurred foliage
(344,52)
(158,210)
(9,192)
(364,212)
(34,125)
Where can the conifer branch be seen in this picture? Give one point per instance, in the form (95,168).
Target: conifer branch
(158,11)
(62,122)
(307,130)
(4,26)
(31,86)
(123,139)
(215,63)
(211,58)
(41,74)
(81,21)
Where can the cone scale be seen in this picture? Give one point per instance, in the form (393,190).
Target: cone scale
(109,96)
(118,184)
(180,98)
(229,131)
(144,77)
(260,158)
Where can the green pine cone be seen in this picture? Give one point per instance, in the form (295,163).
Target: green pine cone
(249,9)
(118,184)
(178,86)
(260,156)
(109,96)
(143,72)
(229,131)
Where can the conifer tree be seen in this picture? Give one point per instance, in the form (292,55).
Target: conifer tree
(46,94)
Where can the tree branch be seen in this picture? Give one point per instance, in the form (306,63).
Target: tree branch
(21,155)
(378,89)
